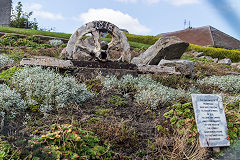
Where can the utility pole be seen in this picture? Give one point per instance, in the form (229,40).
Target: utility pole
(185,23)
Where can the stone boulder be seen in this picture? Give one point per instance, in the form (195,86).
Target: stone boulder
(165,48)
(236,65)
(226,61)
(185,67)
(210,58)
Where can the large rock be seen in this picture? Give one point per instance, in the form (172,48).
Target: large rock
(236,65)
(165,48)
(185,67)
(226,61)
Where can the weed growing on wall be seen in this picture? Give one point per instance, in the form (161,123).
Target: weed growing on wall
(47,90)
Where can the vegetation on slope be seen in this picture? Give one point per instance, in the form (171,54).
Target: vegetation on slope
(128,118)
(219,53)
(32,32)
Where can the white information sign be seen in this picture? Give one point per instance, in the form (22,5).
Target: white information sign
(211,120)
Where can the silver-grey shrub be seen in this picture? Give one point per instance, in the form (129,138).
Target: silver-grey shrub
(149,93)
(230,83)
(55,42)
(11,102)
(4,60)
(49,89)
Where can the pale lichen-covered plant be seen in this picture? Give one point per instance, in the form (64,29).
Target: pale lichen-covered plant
(11,103)
(48,89)
(4,60)
(55,42)
(148,92)
(230,83)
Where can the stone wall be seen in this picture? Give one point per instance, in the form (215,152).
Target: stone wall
(5,12)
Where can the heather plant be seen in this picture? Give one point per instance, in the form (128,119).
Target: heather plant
(230,83)
(7,74)
(11,103)
(148,92)
(4,60)
(45,89)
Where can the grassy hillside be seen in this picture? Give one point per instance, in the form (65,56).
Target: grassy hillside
(55,114)
(31,32)
(136,41)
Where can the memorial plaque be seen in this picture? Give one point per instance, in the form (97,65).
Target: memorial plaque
(211,120)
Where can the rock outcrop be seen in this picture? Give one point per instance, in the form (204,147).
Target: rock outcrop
(165,48)
(185,67)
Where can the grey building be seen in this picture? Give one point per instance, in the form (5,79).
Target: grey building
(5,12)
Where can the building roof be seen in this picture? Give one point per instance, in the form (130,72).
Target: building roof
(206,36)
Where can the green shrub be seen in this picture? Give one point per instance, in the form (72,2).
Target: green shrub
(7,74)
(196,59)
(117,101)
(219,53)
(68,142)
(181,116)
(7,151)
(9,40)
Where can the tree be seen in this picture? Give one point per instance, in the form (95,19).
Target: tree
(20,19)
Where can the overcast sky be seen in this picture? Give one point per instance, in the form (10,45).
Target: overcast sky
(143,17)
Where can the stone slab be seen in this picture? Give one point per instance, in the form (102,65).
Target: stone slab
(84,73)
(46,61)
(108,64)
(157,69)
(185,67)
(211,120)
